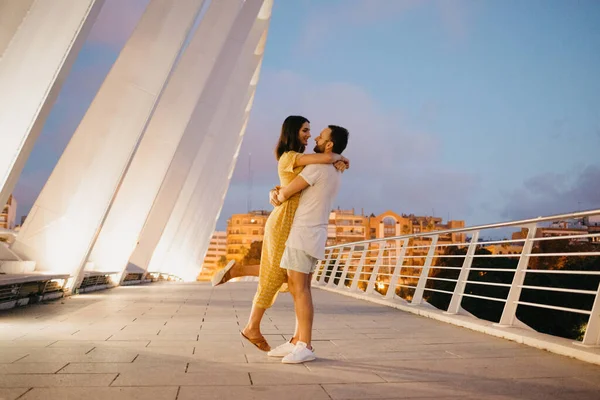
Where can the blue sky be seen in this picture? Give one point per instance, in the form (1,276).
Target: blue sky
(478,110)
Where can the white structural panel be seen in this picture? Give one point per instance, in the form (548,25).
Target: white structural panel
(218,155)
(184,167)
(132,203)
(200,242)
(198,218)
(196,244)
(67,215)
(39,41)
(177,244)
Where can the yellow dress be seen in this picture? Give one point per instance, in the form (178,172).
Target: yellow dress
(277,230)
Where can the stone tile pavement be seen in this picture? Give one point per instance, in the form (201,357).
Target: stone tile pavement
(181,341)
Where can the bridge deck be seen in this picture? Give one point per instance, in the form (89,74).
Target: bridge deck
(181,341)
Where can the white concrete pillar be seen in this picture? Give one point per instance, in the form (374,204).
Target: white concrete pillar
(184,165)
(185,259)
(201,216)
(132,203)
(67,215)
(190,246)
(39,41)
(191,213)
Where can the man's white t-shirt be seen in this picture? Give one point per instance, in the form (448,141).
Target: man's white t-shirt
(309,229)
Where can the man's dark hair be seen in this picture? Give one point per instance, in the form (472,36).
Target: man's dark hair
(339,138)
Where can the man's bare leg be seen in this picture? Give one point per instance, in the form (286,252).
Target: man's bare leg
(300,289)
(294,339)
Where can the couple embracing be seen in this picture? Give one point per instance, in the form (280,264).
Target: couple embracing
(295,232)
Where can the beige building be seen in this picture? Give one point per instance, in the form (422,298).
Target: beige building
(216,249)
(345,227)
(242,230)
(391,224)
(8,216)
(559,228)
(504,248)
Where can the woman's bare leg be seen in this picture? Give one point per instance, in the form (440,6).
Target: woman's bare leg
(252,328)
(238,271)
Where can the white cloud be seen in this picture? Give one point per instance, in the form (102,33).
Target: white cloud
(555,193)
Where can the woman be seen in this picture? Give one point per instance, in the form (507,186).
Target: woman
(295,133)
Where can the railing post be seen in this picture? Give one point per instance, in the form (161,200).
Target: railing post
(418,296)
(359,268)
(510,308)
(326,267)
(346,267)
(592,332)
(373,278)
(391,292)
(336,266)
(317,270)
(324,271)
(463,277)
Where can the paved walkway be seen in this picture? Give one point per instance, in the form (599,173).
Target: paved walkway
(181,341)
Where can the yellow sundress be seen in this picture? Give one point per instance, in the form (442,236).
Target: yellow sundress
(277,230)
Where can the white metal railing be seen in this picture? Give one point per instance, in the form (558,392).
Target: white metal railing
(538,272)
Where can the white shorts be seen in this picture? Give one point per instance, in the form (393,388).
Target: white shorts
(298,260)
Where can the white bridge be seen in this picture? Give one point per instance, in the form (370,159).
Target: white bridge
(135,197)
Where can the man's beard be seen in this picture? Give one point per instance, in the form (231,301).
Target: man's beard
(317,149)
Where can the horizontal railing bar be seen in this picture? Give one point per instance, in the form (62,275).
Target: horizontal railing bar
(495,255)
(547,306)
(588,235)
(441,279)
(489,283)
(493,269)
(574,215)
(561,271)
(406,286)
(476,296)
(438,290)
(555,289)
(582,254)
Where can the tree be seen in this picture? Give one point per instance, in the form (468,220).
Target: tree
(222,262)
(554,322)
(252,256)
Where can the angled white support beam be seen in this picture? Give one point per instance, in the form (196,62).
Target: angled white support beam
(66,217)
(39,41)
(119,234)
(215,157)
(185,249)
(185,165)
(218,153)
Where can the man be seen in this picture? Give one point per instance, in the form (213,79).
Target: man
(306,243)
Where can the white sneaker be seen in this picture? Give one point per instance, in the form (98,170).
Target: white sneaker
(282,350)
(219,275)
(299,355)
